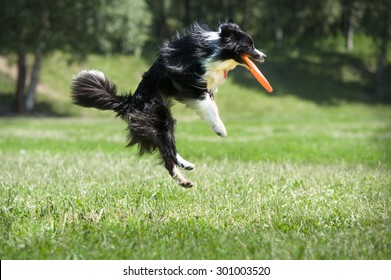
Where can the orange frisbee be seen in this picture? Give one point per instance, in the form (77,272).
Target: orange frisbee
(257,73)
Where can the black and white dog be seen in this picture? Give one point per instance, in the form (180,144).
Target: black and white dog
(188,69)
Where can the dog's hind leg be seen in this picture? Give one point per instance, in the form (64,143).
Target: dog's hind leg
(152,126)
(184,164)
(169,155)
(168,150)
(177,175)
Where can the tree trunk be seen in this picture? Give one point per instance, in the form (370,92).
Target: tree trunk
(30,97)
(247,15)
(186,18)
(279,33)
(349,12)
(349,34)
(202,13)
(162,21)
(385,37)
(21,83)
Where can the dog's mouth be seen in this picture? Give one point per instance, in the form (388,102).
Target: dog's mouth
(254,54)
(257,55)
(260,59)
(255,71)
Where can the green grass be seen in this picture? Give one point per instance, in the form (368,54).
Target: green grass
(310,184)
(305,173)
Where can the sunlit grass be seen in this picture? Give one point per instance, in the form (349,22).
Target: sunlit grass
(303,174)
(282,186)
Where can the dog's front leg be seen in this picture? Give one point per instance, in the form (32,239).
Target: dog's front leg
(206,107)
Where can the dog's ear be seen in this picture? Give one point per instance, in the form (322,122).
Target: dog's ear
(228,27)
(225,30)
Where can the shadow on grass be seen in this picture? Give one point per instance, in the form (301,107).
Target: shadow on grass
(323,77)
(45,108)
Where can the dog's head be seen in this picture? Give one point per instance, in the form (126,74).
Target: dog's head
(235,43)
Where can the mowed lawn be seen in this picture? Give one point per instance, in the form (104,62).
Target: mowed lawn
(293,180)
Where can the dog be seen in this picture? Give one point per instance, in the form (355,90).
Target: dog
(188,69)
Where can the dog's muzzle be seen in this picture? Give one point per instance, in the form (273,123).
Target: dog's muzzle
(258,55)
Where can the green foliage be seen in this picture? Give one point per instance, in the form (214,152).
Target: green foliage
(78,26)
(126,22)
(377,18)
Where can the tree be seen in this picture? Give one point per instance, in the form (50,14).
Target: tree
(41,26)
(377,24)
(352,12)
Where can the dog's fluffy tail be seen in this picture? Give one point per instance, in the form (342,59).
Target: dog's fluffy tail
(91,88)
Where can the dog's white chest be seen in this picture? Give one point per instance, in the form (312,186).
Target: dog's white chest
(216,73)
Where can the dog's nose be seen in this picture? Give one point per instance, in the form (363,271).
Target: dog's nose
(260,56)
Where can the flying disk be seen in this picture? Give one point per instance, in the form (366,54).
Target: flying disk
(257,73)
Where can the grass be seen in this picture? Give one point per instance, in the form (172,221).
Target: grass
(292,187)
(300,176)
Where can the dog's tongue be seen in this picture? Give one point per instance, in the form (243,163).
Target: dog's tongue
(257,73)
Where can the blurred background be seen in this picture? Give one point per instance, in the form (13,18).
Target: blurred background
(325,51)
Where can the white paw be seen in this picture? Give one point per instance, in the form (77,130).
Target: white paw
(219,129)
(180,179)
(184,164)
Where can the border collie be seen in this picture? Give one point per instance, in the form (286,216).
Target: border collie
(188,69)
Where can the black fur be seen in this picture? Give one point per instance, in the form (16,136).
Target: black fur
(178,73)
(89,90)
